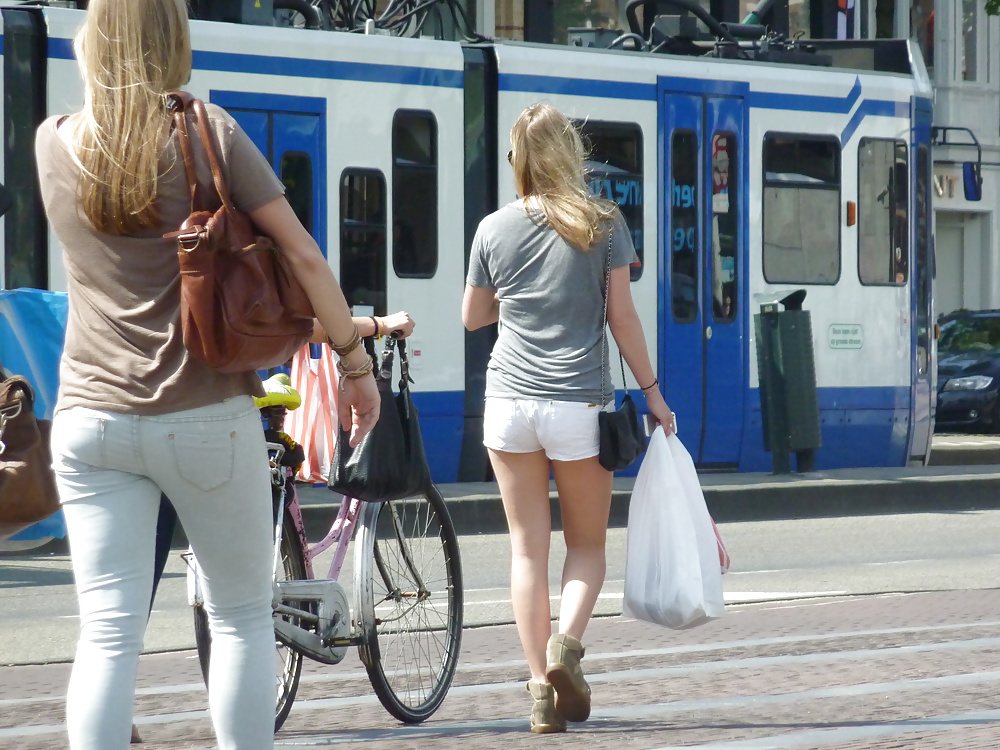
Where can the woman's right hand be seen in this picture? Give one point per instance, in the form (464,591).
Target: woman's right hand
(399,322)
(659,409)
(358,405)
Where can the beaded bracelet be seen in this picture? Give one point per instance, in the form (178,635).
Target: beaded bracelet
(350,346)
(656,382)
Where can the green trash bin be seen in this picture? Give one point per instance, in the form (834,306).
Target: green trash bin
(787,369)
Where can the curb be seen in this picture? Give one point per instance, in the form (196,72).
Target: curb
(964,478)
(761,498)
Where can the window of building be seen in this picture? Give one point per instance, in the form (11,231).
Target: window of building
(725,226)
(801,209)
(614,171)
(362,239)
(296,172)
(883,212)
(799,17)
(683,237)
(968,39)
(922,28)
(414,194)
(885,22)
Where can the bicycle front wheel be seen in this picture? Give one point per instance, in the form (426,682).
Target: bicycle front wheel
(409,584)
(288,662)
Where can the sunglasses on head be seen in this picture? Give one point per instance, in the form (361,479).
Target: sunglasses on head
(510,156)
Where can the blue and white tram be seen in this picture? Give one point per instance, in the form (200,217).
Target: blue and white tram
(739,179)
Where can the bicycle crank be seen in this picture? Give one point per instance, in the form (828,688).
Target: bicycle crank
(314,618)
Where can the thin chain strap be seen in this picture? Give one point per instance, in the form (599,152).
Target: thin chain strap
(604,328)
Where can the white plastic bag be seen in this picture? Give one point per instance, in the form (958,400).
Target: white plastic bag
(672,568)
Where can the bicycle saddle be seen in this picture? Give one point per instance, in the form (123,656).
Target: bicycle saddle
(279,393)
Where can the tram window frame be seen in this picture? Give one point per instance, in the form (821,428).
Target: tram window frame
(924,256)
(726,216)
(881,245)
(620,147)
(368,222)
(300,197)
(415,195)
(683,310)
(823,175)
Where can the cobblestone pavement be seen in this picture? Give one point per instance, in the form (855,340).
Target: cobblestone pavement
(889,671)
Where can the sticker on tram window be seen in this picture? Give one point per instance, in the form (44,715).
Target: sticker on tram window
(622,192)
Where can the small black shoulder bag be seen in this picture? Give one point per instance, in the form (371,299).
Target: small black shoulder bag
(622,436)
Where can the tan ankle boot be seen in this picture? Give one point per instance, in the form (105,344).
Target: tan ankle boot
(563,655)
(544,717)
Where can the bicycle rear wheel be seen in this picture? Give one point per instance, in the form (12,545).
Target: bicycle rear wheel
(409,584)
(288,662)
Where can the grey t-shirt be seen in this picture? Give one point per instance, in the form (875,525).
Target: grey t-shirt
(551,306)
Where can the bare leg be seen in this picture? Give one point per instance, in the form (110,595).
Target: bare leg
(585,500)
(524,488)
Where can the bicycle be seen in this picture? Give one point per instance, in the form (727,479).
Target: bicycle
(407,619)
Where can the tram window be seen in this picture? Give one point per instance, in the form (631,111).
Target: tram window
(614,171)
(297,175)
(683,239)
(883,212)
(801,209)
(362,238)
(725,226)
(414,194)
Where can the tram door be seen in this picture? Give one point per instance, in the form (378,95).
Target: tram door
(293,143)
(702,326)
(924,365)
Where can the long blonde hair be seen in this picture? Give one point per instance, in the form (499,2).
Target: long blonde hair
(547,158)
(131,53)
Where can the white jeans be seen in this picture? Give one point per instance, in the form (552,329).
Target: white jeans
(212,464)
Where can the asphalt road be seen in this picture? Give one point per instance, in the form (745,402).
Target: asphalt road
(771,560)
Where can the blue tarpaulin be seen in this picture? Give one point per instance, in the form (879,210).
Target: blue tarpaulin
(32,328)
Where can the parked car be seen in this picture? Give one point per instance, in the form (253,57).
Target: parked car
(969,372)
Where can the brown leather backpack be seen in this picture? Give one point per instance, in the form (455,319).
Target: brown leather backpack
(27,483)
(242,308)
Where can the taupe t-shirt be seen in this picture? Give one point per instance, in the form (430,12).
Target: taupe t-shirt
(124,351)
(551,306)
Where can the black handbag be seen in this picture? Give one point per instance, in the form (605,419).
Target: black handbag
(389,463)
(622,439)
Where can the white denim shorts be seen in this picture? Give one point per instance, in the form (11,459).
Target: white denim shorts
(565,430)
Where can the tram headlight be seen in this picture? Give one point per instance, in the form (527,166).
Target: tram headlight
(969,383)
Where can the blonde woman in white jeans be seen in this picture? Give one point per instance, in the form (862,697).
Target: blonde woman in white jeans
(537,266)
(136,415)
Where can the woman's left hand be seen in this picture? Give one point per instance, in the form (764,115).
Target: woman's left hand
(659,409)
(358,406)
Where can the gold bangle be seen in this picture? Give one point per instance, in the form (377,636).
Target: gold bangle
(350,346)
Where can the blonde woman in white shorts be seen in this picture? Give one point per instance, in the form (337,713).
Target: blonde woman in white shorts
(538,267)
